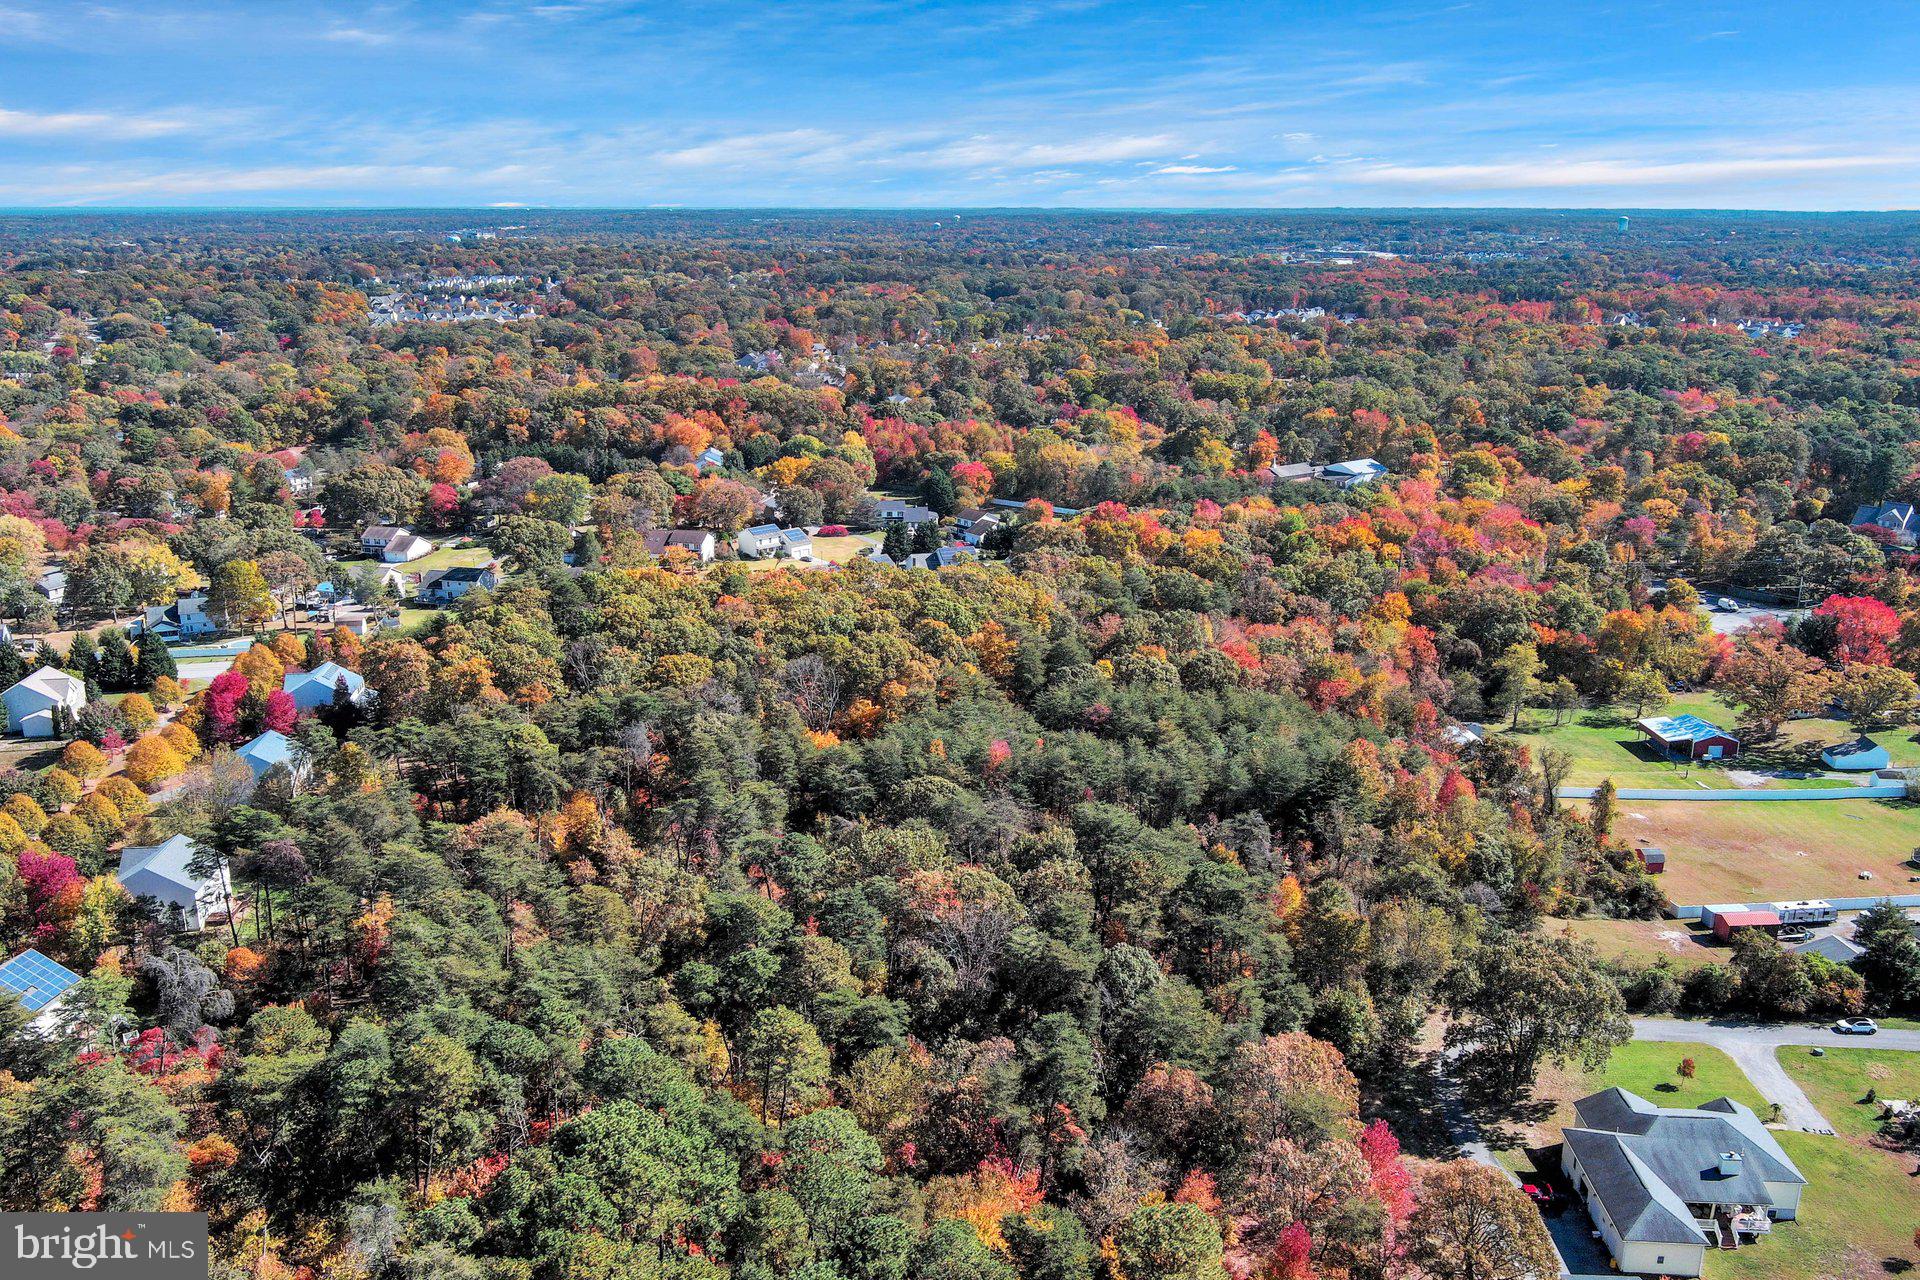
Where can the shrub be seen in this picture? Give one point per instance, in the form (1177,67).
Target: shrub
(68,834)
(129,799)
(26,811)
(137,713)
(168,692)
(12,836)
(182,740)
(60,787)
(83,759)
(153,760)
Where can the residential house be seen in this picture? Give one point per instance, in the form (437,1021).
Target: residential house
(1897,519)
(33,703)
(1290,472)
(940,558)
(164,873)
(1861,755)
(710,458)
(41,987)
(1689,737)
(274,748)
(1356,471)
(1830,947)
(975,523)
(394,545)
(443,586)
(1464,736)
(764,541)
(185,619)
(53,585)
(293,469)
(315,688)
(1663,1186)
(900,511)
(699,543)
(375,537)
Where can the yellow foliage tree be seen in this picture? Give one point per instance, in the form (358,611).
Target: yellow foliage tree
(83,760)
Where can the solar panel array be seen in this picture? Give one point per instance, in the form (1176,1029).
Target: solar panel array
(37,980)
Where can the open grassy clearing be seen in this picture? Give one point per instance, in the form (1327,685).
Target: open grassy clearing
(1754,850)
(1648,1069)
(1604,744)
(1644,940)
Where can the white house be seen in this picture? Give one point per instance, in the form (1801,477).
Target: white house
(185,619)
(53,585)
(975,523)
(699,543)
(162,872)
(796,544)
(442,586)
(900,511)
(758,540)
(31,702)
(393,544)
(1356,471)
(314,688)
(1664,1186)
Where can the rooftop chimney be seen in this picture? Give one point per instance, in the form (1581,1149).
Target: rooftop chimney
(1729,1164)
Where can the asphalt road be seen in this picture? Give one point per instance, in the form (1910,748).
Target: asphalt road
(1752,1046)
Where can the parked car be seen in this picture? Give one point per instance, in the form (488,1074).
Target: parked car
(1542,1197)
(1855,1027)
(1727,604)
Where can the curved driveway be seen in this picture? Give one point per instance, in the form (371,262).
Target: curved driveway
(1752,1046)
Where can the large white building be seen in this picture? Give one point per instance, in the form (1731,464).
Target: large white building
(163,872)
(32,703)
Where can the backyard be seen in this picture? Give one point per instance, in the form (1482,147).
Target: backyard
(1753,850)
(1604,744)
(471,556)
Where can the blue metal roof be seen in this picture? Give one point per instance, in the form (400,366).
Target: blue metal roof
(1687,728)
(37,980)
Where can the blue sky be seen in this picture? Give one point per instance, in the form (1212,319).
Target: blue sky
(1110,103)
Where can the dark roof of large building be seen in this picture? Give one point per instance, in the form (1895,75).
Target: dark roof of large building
(1645,1160)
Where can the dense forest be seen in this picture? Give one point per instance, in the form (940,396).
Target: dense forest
(1106,905)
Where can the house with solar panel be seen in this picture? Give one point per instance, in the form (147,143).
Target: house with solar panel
(1688,737)
(1664,1186)
(164,872)
(39,985)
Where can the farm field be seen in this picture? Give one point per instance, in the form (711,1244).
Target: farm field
(1751,850)
(1604,744)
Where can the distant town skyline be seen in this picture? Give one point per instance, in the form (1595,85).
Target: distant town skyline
(1069,103)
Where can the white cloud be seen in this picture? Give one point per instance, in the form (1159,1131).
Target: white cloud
(1620,172)
(1197,168)
(98,124)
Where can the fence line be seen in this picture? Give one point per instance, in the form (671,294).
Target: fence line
(1878,791)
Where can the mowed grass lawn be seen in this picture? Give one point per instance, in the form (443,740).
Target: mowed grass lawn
(1604,744)
(1839,1082)
(1755,850)
(469,557)
(1857,1217)
(1648,1069)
